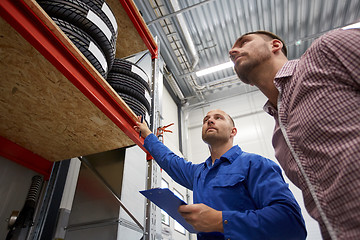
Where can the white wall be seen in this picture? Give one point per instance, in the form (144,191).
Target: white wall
(170,115)
(171,140)
(255,129)
(134,180)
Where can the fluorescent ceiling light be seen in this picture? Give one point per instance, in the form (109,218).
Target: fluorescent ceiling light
(355,25)
(215,68)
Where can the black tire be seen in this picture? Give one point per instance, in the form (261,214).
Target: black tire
(135,105)
(121,64)
(76,12)
(103,9)
(85,44)
(123,89)
(122,79)
(132,76)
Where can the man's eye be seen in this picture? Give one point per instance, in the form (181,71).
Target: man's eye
(243,43)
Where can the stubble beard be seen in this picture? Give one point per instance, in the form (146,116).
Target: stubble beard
(245,69)
(213,139)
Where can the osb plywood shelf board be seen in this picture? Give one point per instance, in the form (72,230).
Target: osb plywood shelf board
(42,111)
(129,41)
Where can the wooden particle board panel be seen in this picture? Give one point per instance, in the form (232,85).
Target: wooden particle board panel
(43,111)
(128,39)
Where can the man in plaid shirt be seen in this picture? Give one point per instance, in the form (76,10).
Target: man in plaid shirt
(315,103)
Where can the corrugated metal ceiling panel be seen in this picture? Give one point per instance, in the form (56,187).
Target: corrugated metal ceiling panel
(214,25)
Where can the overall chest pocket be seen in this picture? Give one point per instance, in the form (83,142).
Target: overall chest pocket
(228,180)
(231,191)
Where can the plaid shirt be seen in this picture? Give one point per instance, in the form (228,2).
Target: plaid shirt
(319,109)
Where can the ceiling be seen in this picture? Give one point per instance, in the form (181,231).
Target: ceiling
(194,35)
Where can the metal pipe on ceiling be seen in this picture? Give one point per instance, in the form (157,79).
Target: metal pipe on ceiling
(186,33)
(174,86)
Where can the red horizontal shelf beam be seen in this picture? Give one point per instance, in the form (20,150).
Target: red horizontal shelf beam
(140,26)
(24,157)
(26,22)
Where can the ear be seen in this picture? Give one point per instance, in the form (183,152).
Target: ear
(276,45)
(233,132)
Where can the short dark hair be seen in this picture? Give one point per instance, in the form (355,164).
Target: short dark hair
(271,35)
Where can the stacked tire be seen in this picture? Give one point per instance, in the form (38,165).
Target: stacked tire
(90,25)
(132,84)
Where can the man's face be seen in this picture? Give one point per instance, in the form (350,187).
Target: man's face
(217,127)
(247,53)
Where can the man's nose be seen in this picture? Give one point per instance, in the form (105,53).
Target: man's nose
(232,52)
(210,121)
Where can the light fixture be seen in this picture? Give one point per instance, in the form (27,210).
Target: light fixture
(215,68)
(355,25)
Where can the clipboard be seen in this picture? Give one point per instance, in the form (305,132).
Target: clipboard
(165,199)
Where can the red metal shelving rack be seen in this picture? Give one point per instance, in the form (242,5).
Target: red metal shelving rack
(25,21)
